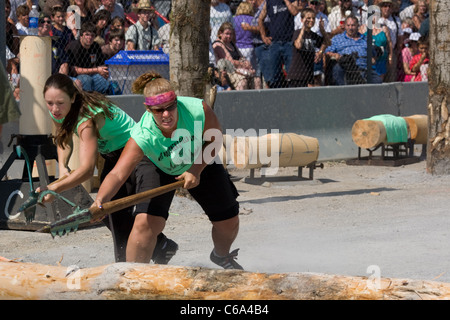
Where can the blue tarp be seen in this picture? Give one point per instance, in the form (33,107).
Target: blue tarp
(138,57)
(396,127)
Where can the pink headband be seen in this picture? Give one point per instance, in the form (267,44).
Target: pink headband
(160,98)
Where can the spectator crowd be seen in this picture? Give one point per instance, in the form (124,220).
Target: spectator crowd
(304,43)
(254,44)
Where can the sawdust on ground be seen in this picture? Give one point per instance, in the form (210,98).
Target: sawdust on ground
(347,220)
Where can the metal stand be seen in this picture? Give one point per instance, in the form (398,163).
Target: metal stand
(15,192)
(391,155)
(263,178)
(37,147)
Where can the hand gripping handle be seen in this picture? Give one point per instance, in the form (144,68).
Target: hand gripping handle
(122,203)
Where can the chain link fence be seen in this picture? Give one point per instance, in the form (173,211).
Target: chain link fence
(105,44)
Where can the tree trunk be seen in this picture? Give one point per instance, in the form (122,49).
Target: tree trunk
(438,149)
(189,46)
(145,281)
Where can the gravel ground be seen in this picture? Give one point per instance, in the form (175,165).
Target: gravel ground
(348,220)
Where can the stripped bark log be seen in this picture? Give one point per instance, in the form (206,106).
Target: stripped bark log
(144,281)
(274,150)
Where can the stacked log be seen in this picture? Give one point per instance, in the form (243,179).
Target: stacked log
(146,281)
(369,134)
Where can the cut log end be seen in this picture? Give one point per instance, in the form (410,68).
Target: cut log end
(368,133)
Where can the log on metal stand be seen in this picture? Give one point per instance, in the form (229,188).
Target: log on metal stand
(144,281)
(418,126)
(289,149)
(369,134)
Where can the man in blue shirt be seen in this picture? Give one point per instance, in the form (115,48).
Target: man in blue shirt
(345,44)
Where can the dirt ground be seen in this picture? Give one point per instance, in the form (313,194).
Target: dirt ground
(348,220)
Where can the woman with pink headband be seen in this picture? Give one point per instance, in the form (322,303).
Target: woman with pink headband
(171,136)
(102,128)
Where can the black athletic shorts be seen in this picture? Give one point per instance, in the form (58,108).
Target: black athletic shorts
(216,193)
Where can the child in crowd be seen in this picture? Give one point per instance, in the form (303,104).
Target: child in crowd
(117,23)
(308,49)
(22,13)
(408,52)
(115,44)
(59,29)
(419,63)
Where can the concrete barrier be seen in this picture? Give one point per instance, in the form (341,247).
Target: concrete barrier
(326,113)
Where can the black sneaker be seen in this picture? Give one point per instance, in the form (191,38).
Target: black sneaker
(227,262)
(164,250)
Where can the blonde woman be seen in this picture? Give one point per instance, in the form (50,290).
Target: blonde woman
(171,136)
(420,13)
(225,48)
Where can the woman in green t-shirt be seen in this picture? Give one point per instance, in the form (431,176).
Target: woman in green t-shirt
(103,128)
(171,134)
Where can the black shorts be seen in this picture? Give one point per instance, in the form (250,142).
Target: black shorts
(216,193)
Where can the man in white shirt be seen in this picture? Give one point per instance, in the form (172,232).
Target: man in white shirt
(142,35)
(339,13)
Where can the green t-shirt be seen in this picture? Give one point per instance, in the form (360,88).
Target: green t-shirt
(115,132)
(173,155)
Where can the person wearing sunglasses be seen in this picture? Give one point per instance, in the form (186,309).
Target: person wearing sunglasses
(59,58)
(44,26)
(174,135)
(102,127)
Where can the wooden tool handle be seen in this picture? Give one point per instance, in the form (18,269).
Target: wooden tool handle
(122,203)
(60,179)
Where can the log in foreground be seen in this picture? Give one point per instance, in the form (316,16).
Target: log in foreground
(146,281)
